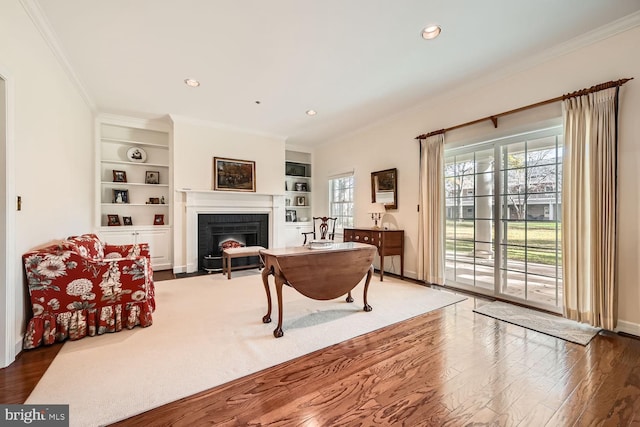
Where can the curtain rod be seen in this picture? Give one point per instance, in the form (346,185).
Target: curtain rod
(494,118)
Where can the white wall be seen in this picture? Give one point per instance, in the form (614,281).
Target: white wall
(196,143)
(391,144)
(53,140)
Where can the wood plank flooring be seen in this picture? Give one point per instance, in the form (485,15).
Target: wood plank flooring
(450,367)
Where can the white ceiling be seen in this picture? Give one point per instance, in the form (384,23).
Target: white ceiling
(353,61)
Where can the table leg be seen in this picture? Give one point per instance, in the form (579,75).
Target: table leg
(349,297)
(381,267)
(265,280)
(367,307)
(277,332)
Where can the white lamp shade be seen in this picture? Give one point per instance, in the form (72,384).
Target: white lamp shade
(377,208)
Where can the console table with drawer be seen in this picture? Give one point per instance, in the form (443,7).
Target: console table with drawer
(388,242)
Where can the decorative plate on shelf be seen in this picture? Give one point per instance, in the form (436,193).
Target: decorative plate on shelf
(320,244)
(137,155)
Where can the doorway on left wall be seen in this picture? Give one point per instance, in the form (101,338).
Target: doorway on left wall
(7,236)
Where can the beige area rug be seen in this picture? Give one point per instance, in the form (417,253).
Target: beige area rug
(549,324)
(207,331)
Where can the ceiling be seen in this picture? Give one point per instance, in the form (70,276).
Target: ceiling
(353,61)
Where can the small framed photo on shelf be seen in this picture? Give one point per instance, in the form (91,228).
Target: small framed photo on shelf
(152,177)
(158,219)
(154,201)
(119,176)
(126,220)
(301,186)
(120,196)
(113,220)
(295,169)
(291,216)
(301,201)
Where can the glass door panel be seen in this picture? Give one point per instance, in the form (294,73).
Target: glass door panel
(503,215)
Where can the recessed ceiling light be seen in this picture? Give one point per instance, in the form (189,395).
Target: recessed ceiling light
(311,112)
(431,32)
(191,82)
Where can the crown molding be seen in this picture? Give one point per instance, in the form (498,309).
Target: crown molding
(42,24)
(594,36)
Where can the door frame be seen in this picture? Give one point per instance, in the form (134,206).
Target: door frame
(10,347)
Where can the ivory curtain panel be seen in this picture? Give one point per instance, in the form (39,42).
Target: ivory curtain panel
(589,208)
(431,222)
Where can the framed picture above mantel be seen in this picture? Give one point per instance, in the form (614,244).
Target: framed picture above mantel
(234,174)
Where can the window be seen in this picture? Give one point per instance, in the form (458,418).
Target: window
(503,217)
(341,200)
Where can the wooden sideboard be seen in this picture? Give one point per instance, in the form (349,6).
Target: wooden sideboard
(388,242)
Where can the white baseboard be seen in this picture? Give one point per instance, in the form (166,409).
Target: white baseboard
(10,358)
(179,269)
(628,328)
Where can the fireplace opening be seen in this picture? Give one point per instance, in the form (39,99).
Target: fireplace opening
(219,231)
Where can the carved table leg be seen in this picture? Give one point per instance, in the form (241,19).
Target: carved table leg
(265,280)
(349,297)
(277,332)
(367,307)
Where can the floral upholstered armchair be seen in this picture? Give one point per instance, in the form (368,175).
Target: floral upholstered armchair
(83,286)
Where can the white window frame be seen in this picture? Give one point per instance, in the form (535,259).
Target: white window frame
(341,223)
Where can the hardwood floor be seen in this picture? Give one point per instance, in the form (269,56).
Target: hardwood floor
(18,379)
(450,367)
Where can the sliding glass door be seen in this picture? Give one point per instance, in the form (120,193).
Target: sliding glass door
(503,221)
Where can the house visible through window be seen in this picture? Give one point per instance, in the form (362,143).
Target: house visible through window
(341,200)
(503,218)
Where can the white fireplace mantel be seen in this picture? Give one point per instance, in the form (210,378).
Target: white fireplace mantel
(198,202)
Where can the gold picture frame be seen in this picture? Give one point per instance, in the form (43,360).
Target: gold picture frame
(384,188)
(234,175)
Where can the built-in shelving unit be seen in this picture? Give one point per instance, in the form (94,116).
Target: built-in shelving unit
(134,184)
(298,189)
(298,192)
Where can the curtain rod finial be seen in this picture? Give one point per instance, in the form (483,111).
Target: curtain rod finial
(427,135)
